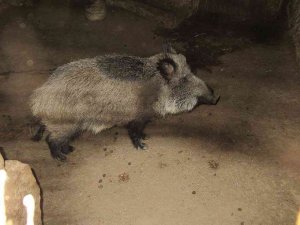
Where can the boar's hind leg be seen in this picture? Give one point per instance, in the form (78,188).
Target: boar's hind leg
(39,133)
(59,138)
(136,133)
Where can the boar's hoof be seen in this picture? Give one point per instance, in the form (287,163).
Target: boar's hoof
(59,156)
(56,149)
(141,146)
(67,149)
(137,136)
(39,133)
(36,138)
(138,144)
(144,136)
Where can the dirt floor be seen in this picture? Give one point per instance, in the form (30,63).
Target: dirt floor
(237,163)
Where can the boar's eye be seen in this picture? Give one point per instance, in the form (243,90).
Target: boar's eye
(184,80)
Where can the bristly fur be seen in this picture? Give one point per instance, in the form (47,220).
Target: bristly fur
(125,67)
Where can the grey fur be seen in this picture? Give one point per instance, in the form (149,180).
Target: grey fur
(98,93)
(125,67)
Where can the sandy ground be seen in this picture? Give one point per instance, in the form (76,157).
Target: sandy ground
(236,163)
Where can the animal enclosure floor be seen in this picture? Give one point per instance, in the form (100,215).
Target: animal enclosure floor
(236,163)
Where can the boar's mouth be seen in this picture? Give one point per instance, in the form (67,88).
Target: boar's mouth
(211,100)
(216,100)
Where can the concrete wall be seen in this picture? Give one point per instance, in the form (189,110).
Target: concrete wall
(242,10)
(294,24)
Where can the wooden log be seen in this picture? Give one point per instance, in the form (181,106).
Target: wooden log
(294,25)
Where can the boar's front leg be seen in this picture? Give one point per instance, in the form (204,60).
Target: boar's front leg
(59,138)
(136,133)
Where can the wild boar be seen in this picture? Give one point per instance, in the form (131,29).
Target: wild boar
(98,93)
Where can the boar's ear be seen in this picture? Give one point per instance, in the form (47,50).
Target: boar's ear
(168,49)
(167,68)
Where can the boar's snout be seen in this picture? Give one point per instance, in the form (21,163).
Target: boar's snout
(208,100)
(216,100)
